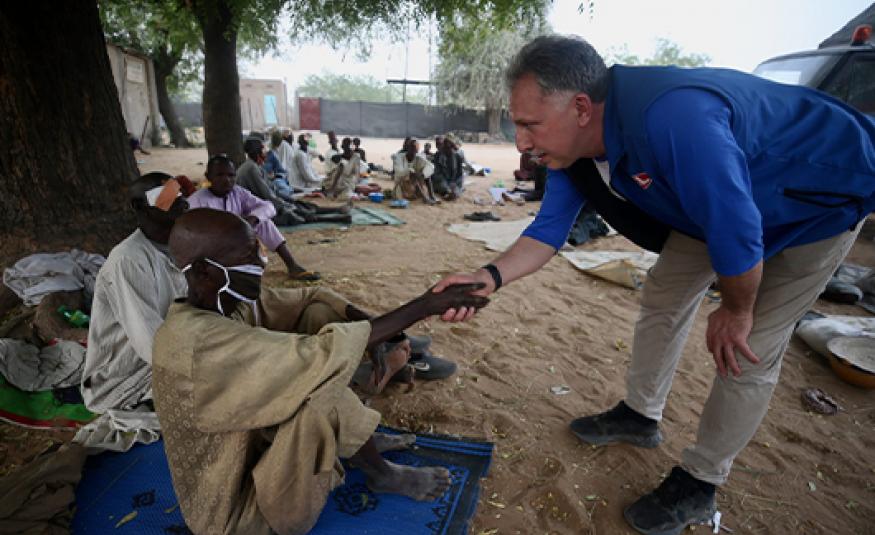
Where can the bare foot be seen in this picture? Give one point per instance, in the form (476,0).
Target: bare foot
(423,484)
(395,361)
(386,442)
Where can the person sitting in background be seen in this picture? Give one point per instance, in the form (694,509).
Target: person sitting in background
(343,180)
(255,402)
(224,194)
(538,173)
(331,153)
(285,154)
(289,137)
(426,151)
(412,173)
(528,164)
(273,168)
(312,151)
(132,293)
(449,176)
(305,175)
(357,148)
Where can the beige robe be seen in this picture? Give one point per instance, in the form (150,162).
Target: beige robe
(254,419)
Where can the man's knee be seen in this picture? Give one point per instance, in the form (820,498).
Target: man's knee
(301,515)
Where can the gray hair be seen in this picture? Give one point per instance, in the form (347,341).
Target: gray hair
(561,63)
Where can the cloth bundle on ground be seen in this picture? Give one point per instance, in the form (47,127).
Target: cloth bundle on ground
(817,330)
(37,498)
(32,369)
(625,268)
(852,284)
(36,275)
(496,236)
(49,409)
(360,217)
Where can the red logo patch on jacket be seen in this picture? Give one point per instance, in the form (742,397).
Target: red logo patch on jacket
(643,180)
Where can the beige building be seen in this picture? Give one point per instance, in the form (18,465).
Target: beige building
(263,104)
(134,77)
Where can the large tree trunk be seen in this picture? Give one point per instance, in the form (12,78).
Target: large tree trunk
(493,116)
(165,105)
(65,160)
(221,102)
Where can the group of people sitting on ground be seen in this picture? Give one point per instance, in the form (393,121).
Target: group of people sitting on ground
(430,176)
(251,384)
(427,175)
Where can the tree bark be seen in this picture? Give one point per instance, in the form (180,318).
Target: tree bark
(493,116)
(221,103)
(163,69)
(65,160)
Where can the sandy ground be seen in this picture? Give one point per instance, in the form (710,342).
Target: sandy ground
(801,473)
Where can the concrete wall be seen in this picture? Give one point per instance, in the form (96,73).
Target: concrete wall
(134,77)
(263,104)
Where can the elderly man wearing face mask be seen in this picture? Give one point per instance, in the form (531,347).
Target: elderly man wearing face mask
(254,400)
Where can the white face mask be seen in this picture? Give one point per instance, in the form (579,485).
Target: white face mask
(252,276)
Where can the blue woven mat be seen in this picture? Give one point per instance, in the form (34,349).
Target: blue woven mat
(114,486)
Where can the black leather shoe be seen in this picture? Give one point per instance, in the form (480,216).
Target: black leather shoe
(620,424)
(679,501)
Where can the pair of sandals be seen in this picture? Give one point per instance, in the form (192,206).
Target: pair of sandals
(482,216)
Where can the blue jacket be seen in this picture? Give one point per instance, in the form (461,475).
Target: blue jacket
(747,165)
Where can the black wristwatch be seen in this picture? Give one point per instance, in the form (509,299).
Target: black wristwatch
(496,275)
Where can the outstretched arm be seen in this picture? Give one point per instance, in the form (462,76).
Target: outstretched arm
(428,304)
(524,257)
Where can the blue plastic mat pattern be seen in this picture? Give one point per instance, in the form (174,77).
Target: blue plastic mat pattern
(114,486)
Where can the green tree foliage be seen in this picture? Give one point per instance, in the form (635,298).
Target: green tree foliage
(365,88)
(254,24)
(160,29)
(667,53)
(474,56)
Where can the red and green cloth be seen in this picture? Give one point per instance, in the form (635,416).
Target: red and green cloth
(40,410)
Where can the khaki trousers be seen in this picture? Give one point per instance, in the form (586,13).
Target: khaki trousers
(673,291)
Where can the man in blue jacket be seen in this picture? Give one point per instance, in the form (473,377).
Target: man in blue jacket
(761,185)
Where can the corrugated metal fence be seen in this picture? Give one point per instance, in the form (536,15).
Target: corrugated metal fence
(375,119)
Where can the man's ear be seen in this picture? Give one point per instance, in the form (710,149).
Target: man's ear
(583,108)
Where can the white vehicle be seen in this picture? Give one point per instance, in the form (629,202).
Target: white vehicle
(845,72)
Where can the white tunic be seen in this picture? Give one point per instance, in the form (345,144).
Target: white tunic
(134,289)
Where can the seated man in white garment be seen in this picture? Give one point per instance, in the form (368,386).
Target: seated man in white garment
(133,291)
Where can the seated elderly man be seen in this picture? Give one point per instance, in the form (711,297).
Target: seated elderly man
(412,173)
(449,170)
(133,291)
(254,399)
